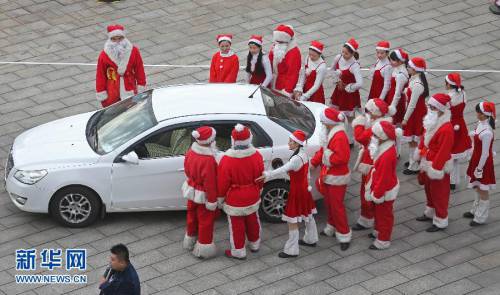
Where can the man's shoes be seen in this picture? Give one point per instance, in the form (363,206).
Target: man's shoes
(423,218)
(373,247)
(302,243)
(229,255)
(494,9)
(433,229)
(468,215)
(410,172)
(372,236)
(473,223)
(284,255)
(407,164)
(254,250)
(344,246)
(358,227)
(453,186)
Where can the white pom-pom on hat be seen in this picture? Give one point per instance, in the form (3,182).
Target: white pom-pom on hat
(341,117)
(195,134)
(239,127)
(399,132)
(456,127)
(309,188)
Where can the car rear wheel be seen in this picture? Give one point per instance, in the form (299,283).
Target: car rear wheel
(75,206)
(273,200)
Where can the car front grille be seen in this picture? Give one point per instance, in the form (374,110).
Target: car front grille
(10,164)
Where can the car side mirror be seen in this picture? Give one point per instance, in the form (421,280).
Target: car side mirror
(131,158)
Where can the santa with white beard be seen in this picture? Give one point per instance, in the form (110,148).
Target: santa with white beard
(286,60)
(120,70)
(435,161)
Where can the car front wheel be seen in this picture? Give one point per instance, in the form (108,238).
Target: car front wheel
(273,200)
(75,206)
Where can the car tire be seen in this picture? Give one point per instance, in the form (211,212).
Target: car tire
(75,206)
(273,200)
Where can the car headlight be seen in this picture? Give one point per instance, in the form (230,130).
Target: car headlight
(30,176)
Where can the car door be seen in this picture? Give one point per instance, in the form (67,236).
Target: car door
(155,182)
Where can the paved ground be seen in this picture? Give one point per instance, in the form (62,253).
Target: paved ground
(449,33)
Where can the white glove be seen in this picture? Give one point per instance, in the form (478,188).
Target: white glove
(478,173)
(303,98)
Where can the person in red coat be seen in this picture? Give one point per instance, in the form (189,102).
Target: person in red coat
(462,143)
(259,70)
(376,110)
(481,170)
(238,169)
(435,161)
(310,84)
(225,64)
(200,189)
(300,205)
(333,157)
(346,73)
(416,93)
(120,70)
(381,72)
(382,184)
(286,60)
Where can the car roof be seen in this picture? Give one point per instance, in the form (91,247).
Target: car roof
(209,98)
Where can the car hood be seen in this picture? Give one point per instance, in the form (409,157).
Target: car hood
(58,143)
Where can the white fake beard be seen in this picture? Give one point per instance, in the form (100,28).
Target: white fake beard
(117,49)
(430,120)
(214,148)
(323,136)
(373,146)
(279,52)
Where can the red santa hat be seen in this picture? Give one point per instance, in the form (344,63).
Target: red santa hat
(115,30)
(401,54)
(455,80)
(257,39)
(331,116)
(241,135)
(377,107)
(488,108)
(283,33)
(299,137)
(224,37)
(383,45)
(418,64)
(386,130)
(204,135)
(353,44)
(317,46)
(440,101)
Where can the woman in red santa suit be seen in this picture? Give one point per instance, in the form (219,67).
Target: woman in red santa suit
(238,169)
(333,157)
(285,60)
(416,93)
(382,185)
(481,170)
(462,142)
(300,205)
(259,71)
(200,188)
(120,70)
(225,64)
(435,161)
(381,72)
(396,98)
(312,74)
(346,73)
(375,111)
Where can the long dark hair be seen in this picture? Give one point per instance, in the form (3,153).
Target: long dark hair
(296,152)
(455,87)
(393,56)
(355,53)
(259,69)
(491,121)
(423,79)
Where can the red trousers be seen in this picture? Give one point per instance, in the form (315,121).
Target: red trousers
(367,209)
(384,220)
(242,228)
(437,192)
(337,217)
(200,222)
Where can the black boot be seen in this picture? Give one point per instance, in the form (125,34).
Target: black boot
(302,243)
(423,218)
(407,164)
(468,215)
(410,172)
(372,236)
(494,9)
(373,247)
(284,255)
(344,246)
(433,229)
(358,227)
(473,223)
(453,186)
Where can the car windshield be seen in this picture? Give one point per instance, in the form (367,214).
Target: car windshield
(290,114)
(113,126)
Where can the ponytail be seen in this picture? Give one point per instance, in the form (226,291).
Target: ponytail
(423,79)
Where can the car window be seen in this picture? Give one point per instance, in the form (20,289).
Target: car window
(223,137)
(170,143)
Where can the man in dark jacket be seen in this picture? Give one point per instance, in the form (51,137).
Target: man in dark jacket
(120,278)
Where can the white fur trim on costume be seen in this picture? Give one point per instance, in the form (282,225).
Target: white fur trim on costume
(220,202)
(239,127)
(300,218)
(211,206)
(364,168)
(240,153)
(443,119)
(382,48)
(204,250)
(258,42)
(241,211)
(440,222)
(429,212)
(413,66)
(350,46)
(359,121)
(254,245)
(115,33)
(329,230)
(240,253)
(483,187)
(190,193)
(101,96)
(381,244)
(224,38)
(392,110)
(279,36)
(327,153)
(379,132)
(343,238)
(433,102)
(141,88)
(337,179)
(365,222)
(449,81)
(202,150)
(372,107)
(188,242)
(399,132)
(315,49)
(398,54)
(292,137)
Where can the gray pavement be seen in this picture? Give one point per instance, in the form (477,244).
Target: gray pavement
(448,33)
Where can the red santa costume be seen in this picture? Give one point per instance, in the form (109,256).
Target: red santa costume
(120,70)
(300,205)
(381,74)
(382,185)
(335,175)
(285,59)
(200,188)
(224,66)
(238,169)
(396,98)
(362,126)
(312,76)
(481,170)
(462,143)
(415,110)
(265,77)
(435,161)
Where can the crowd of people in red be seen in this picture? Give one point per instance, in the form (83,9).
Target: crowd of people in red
(399,109)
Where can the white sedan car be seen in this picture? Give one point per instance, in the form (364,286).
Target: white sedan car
(130,156)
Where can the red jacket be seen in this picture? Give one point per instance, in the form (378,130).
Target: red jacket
(224,69)
(435,149)
(287,71)
(200,168)
(237,172)
(382,182)
(334,158)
